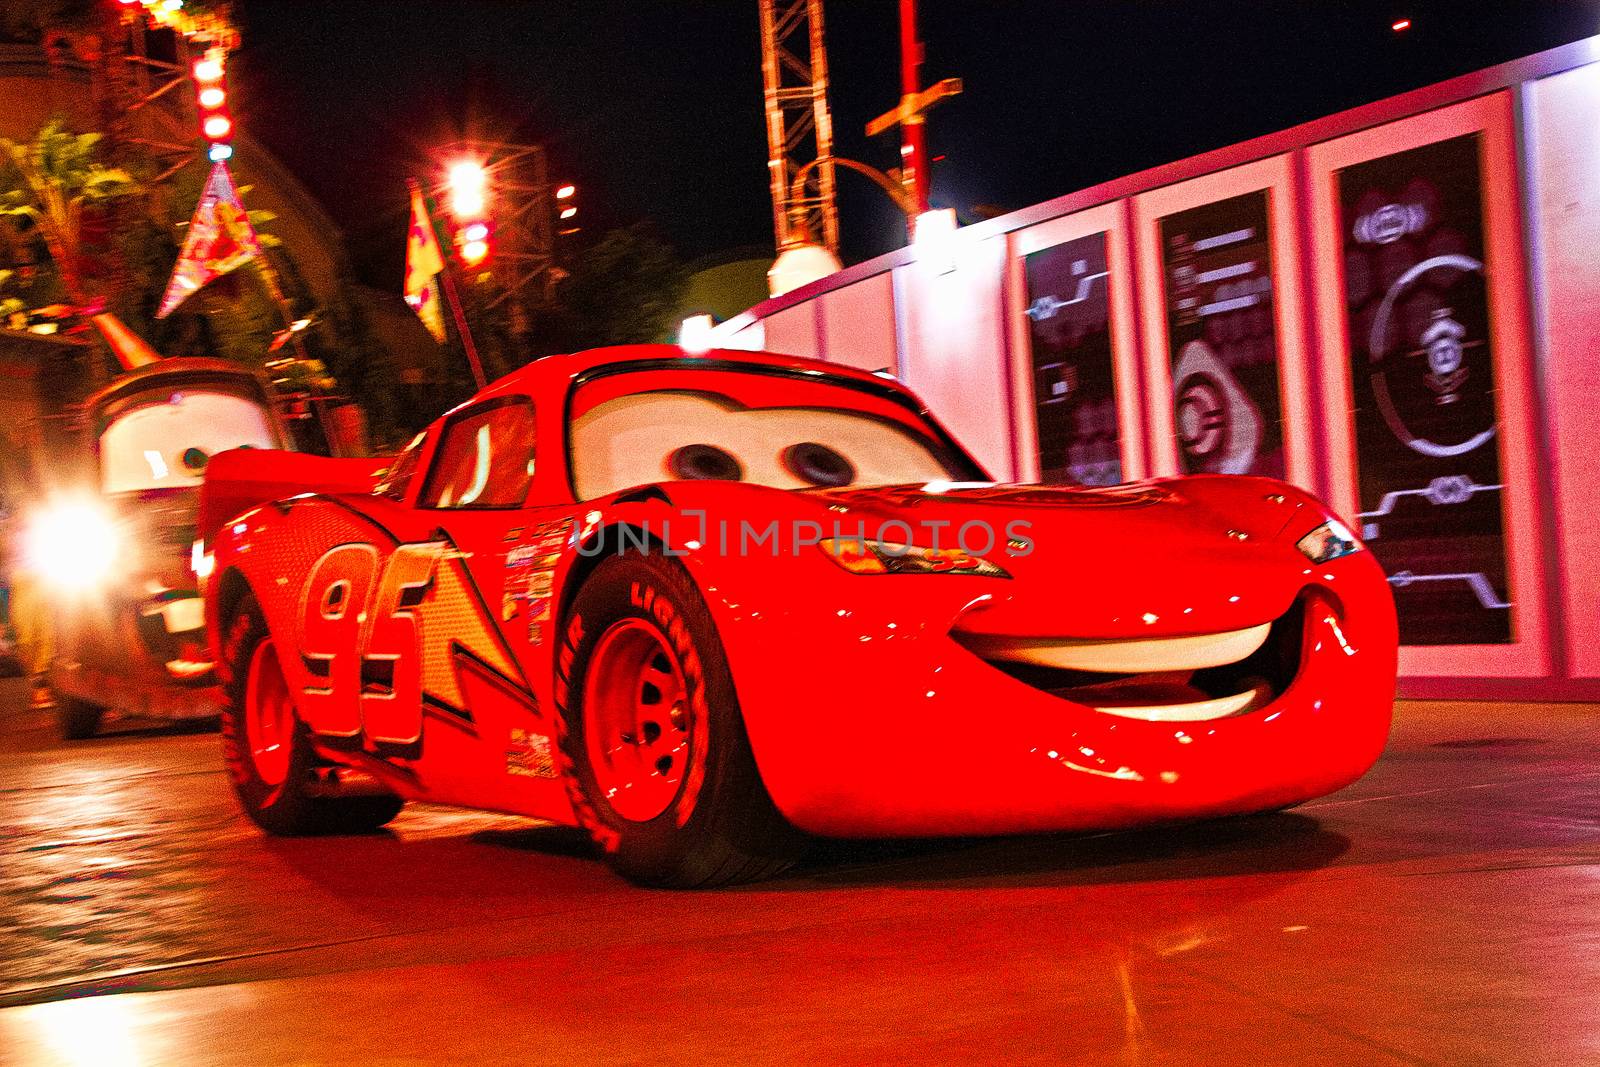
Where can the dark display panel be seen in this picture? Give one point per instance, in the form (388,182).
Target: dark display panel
(1422,376)
(1074,378)
(1217,265)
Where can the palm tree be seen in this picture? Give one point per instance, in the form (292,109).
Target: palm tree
(48,184)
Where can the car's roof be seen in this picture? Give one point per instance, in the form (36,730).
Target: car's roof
(557,372)
(173,369)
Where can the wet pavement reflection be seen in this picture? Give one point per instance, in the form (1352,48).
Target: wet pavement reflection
(1440,911)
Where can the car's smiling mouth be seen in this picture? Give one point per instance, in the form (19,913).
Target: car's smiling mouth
(1193,678)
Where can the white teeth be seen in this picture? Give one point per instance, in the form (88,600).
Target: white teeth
(1198,711)
(1123,656)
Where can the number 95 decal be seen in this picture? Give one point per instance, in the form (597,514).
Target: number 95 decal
(361,642)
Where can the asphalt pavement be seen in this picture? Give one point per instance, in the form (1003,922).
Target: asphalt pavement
(1441,911)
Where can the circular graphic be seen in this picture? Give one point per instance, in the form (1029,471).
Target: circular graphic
(1431,379)
(1202,416)
(1219,428)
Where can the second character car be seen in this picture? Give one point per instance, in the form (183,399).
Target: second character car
(111,547)
(705,606)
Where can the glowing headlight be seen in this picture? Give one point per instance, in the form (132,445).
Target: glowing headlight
(73,544)
(1328,542)
(884,557)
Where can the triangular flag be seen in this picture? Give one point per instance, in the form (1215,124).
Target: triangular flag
(424,264)
(220,239)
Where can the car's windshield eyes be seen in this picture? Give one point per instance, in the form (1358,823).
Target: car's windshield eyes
(169,442)
(687,435)
(813,462)
(703,463)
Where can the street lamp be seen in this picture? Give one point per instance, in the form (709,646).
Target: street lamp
(468,182)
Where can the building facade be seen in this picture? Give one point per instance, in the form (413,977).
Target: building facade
(1397,307)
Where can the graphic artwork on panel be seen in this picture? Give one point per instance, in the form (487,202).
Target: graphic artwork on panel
(1422,376)
(1074,378)
(1217,264)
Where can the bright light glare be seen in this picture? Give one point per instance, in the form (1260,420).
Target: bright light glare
(476,232)
(217,127)
(936,239)
(565,191)
(212,97)
(697,334)
(468,174)
(208,70)
(469,184)
(72,544)
(568,212)
(474,252)
(105,1031)
(1400,24)
(220,152)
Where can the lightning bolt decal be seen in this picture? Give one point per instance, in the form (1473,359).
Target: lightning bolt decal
(463,652)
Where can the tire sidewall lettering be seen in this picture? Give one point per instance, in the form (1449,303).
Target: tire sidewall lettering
(644,599)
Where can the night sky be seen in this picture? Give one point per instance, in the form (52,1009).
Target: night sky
(654,106)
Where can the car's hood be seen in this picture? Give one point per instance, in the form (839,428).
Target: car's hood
(1192,555)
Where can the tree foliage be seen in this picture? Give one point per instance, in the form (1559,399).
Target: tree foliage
(624,290)
(57,190)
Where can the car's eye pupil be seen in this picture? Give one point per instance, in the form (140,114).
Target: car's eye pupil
(818,464)
(704,463)
(195,459)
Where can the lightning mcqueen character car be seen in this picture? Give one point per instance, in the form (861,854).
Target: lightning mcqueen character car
(699,605)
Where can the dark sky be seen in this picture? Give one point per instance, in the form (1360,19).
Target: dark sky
(654,106)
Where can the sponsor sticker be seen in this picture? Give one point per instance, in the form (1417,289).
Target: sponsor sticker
(528,755)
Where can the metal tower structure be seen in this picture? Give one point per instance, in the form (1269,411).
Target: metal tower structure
(794,72)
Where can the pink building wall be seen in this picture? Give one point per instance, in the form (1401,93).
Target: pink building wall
(1224,312)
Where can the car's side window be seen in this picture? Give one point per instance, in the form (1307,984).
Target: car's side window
(485,458)
(393,482)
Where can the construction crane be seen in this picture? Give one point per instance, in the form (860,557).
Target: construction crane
(801,162)
(794,72)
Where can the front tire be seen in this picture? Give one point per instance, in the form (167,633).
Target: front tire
(658,764)
(268,749)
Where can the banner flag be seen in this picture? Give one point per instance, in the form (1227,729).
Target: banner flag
(220,239)
(424,264)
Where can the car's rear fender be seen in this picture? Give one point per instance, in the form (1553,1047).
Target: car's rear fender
(242,478)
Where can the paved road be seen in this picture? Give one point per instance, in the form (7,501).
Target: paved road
(1445,910)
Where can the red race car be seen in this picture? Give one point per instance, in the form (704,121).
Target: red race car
(705,606)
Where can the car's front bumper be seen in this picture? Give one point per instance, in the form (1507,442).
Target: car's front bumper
(875,725)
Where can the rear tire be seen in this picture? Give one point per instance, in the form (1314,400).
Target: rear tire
(79,719)
(268,749)
(652,740)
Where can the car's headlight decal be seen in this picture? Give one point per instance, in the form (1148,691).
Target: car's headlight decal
(863,556)
(1328,542)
